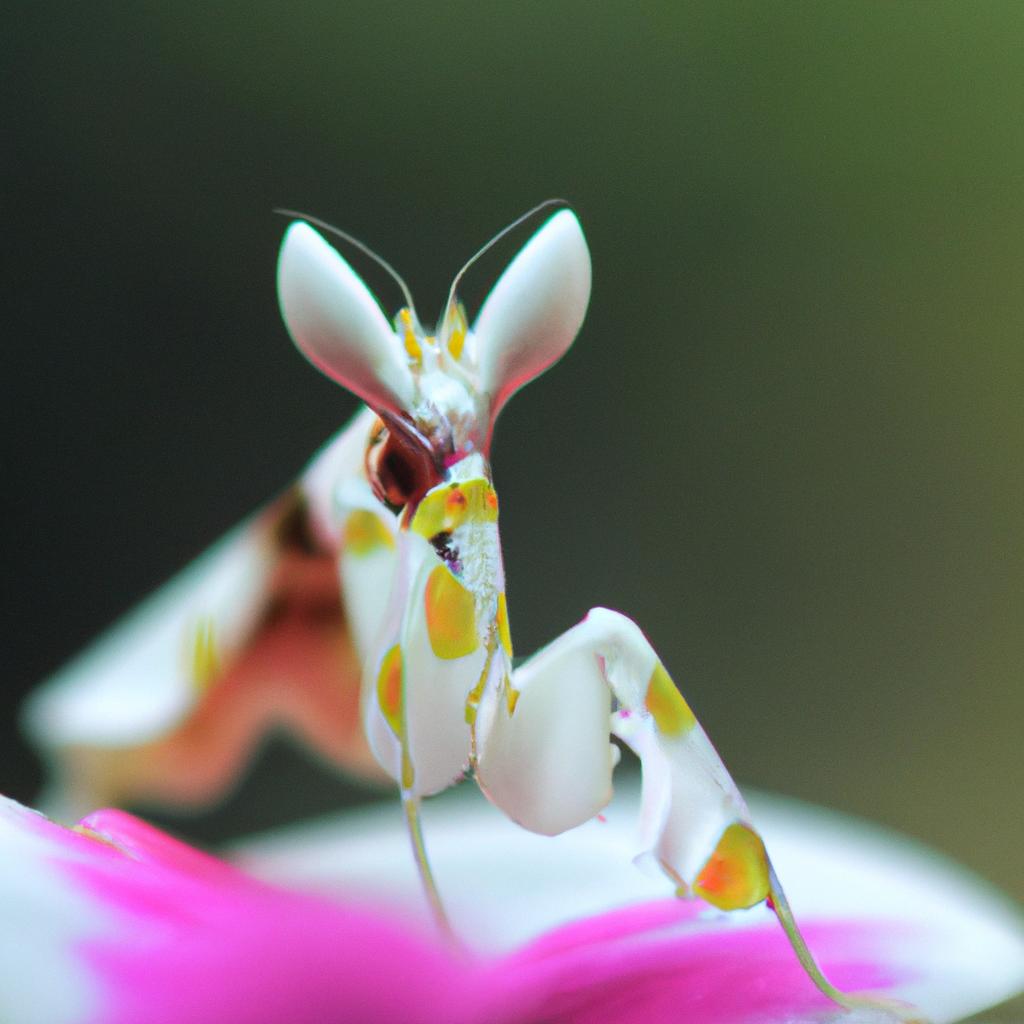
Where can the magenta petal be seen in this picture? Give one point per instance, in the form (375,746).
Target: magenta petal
(878,910)
(151,846)
(116,923)
(196,954)
(661,964)
(187,939)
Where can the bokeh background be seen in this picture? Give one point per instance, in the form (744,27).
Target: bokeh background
(788,440)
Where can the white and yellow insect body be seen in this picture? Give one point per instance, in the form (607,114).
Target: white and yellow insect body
(439,689)
(403,506)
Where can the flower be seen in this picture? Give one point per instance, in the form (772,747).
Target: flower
(114,922)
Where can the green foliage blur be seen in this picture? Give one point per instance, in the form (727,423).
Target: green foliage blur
(788,440)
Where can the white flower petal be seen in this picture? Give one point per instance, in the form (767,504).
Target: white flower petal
(45,919)
(116,923)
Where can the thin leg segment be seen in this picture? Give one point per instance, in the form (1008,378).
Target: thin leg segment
(411,806)
(848,1000)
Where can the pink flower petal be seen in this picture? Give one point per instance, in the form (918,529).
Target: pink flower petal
(118,923)
(877,908)
(643,965)
(152,931)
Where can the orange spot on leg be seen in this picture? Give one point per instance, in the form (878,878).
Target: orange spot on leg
(736,874)
(389,688)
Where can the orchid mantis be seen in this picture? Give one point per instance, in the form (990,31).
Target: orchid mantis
(401,506)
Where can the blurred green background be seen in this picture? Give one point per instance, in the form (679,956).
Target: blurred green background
(788,440)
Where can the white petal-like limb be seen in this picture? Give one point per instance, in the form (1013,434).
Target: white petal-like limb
(437,689)
(337,324)
(167,705)
(533,313)
(545,758)
(544,755)
(151,667)
(414,699)
(366,563)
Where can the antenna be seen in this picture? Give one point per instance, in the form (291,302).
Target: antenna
(494,241)
(365,249)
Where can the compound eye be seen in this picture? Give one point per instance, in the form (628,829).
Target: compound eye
(400,470)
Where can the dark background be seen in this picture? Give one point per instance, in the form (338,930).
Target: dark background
(788,440)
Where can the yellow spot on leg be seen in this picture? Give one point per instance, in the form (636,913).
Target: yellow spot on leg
(476,694)
(451,615)
(736,875)
(672,715)
(511,697)
(390,689)
(473,702)
(503,632)
(365,533)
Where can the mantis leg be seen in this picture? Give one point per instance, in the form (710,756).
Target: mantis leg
(411,806)
(168,706)
(545,759)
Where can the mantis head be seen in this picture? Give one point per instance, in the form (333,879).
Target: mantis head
(437,394)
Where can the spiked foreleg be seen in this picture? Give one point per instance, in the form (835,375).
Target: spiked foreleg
(543,756)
